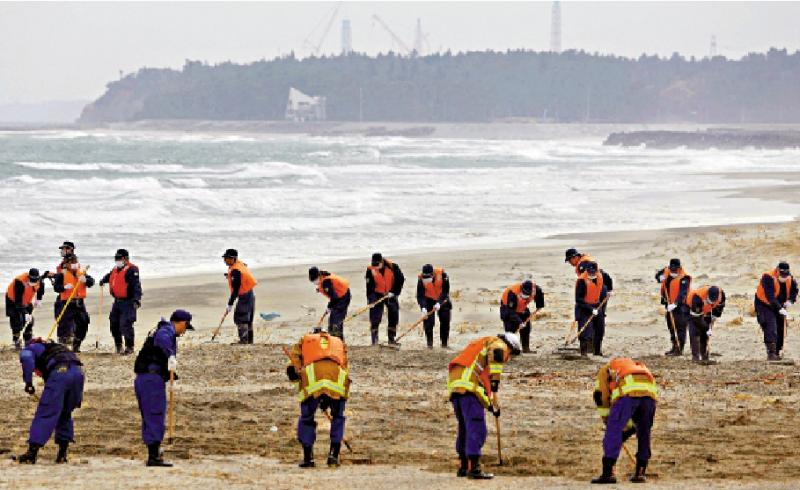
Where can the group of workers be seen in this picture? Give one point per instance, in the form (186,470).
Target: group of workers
(625,390)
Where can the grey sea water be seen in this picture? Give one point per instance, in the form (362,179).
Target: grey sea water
(178,200)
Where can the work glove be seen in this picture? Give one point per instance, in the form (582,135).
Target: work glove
(522,325)
(67,287)
(102,283)
(671,307)
(172,364)
(423,311)
(494,411)
(82,279)
(291,373)
(595,312)
(610,294)
(28,318)
(389,295)
(36,303)
(495,384)
(137,304)
(228,309)
(437,306)
(709,333)
(29,389)
(783,312)
(328,311)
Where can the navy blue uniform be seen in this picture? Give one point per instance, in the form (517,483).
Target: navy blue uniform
(74,324)
(151,377)
(444,313)
(583,311)
(392,305)
(512,320)
(16,311)
(63,390)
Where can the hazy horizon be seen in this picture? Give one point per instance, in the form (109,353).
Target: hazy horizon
(69,51)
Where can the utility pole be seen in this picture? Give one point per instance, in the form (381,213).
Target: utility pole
(418,38)
(712,50)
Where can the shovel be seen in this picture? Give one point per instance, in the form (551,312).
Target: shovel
(414,325)
(171,409)
(570,339)
(64,308)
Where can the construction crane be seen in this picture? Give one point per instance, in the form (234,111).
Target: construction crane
(315,48)
(395,37)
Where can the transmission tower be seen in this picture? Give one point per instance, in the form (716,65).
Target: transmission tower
(712,50)
(347,37)
(555,28)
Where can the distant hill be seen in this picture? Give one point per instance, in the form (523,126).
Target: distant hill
(51,112)
(470,87)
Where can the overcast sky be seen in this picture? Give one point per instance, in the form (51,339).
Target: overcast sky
(60,51)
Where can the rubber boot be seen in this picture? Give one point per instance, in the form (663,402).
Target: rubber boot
(525,340)
(772,352)
(63,447)
(694,344)
(639,476)
(608,472)
(308,457)
(704,349)
(250,334)
(584,347)
(333,454)
(17,343)
(675,351)
(154,457)
(374,333)
(76,345)
(118,345)
(475,472)
(29,456)
(128,346)
(463,466)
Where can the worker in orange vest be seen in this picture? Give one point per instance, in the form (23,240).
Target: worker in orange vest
(625,394)
(242,287)
(337,290)
(675,286)
(590,293)
(776,290)
(23,295)
(66,249)
(318,366)
(580,262)
(433,294)
(514,310)
(473,379)
(126,289)
(705,308)
(384,278)
(76,317)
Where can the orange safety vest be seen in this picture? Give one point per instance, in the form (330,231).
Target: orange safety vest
(248,281)
(71,278)
(703,294)
(583,260)
(433,290)
(27,295)
(674,285)
(522,304)
(593,290)
(467,373)
(340,285)
(383,281)
(631,378)
(762,295)
(117,283)
(319,346)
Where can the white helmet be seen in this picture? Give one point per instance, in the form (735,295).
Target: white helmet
(513,341)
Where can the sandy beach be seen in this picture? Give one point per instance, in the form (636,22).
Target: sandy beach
(725,426)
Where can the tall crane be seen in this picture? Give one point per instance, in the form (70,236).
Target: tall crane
(315,48)
(395,37)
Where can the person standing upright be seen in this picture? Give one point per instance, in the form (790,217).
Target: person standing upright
(241,284)
(126,289)
(384,278)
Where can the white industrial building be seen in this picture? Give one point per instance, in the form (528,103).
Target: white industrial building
(301,107)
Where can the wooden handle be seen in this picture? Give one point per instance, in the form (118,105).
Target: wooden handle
(69,300)
(171,411)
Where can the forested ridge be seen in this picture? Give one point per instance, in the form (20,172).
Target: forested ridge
(572,86)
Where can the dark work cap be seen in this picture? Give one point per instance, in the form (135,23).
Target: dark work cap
(182,316)
(783,268)
(121,253)
(33,275)
(527,287)
(427,270)
(67,245)
(231,253)
(571,252)
(313,273)
(376,258)
(713,293)
(674,264)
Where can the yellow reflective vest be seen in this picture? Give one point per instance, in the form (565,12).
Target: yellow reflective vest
(323,375)
(476,366)
(622,377)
